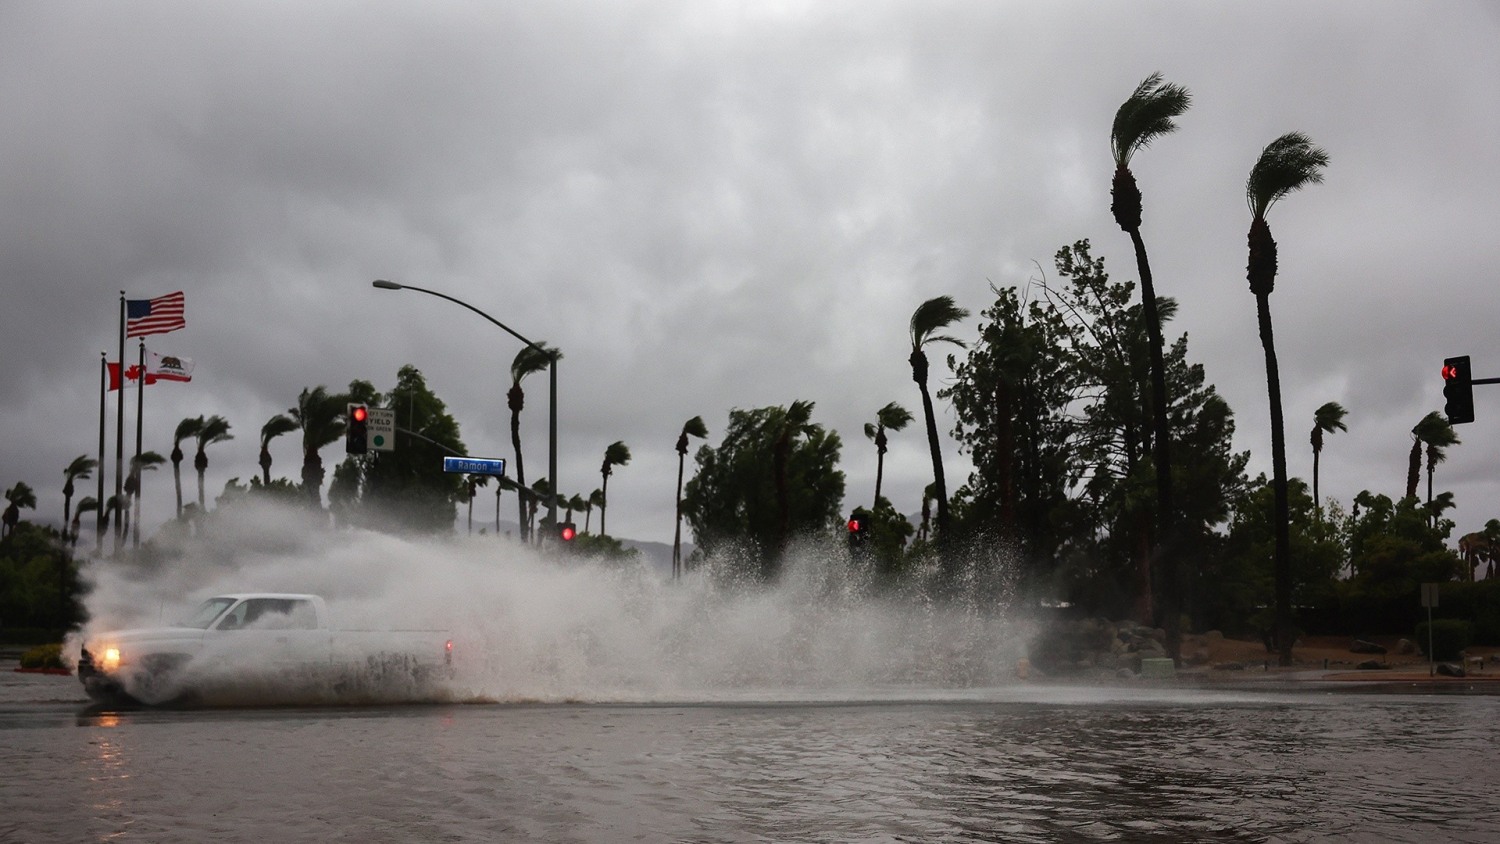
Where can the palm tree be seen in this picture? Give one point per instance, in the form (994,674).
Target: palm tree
(595,499)
(1286,164)
(1146,115)
(529,360)
(616,455)
(931,316)
(577,502)
(215,430)
(1326,420)
(274,427)
(320,417)
(86,504)
(474,483)
(18,496)
(692,428)
(188,427)
(541,491)
(1434,432)
(146,460)
(78,470)
(892,417)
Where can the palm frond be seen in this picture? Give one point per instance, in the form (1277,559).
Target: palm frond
(617,454)
(275,427)
(1287,164)
(531,360)
(893,417)
(1330,417)
(695,428)
(80,467)
(1145,116)
(934,314)
(215,429)
(185,429)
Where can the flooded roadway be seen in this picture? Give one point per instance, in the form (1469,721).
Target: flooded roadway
(1134,762)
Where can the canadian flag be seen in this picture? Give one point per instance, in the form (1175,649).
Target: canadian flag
(158,368)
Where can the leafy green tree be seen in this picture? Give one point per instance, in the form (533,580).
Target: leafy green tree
(78,469)
(892,417)
(406,491)
(39,584)
(1287,164)
(1148,114)
(617,454)
(930,317)
(1394,547)
(528,361)
(731,502)
(1326,419)
(1012,395)
(215,430)
(187,428)
(1236,585)
(17,497)
(692,428)
(274,427)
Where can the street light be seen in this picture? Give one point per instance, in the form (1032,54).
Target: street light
(382,284)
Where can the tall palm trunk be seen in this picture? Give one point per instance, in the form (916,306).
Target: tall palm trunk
(604,501)
(516,400)
(1283,559)
(177,475)
(918,362)
(200,465)
(1317,447)
(677,535)
(880,445)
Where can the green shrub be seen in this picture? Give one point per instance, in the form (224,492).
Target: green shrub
(43,656)
(1449,637)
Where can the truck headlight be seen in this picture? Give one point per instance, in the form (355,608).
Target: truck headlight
(111,659)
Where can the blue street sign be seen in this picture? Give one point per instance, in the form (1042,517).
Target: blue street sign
(475,465)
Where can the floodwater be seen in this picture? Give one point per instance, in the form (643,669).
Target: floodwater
(1130,762)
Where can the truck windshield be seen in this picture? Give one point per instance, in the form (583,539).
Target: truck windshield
(205,614)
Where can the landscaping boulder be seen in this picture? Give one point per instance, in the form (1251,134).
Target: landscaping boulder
(1448,669)
(1371,665)
(1361,646)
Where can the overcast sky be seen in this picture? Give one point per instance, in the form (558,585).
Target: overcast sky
(713,205)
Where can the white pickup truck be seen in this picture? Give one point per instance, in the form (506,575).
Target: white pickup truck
(262,647)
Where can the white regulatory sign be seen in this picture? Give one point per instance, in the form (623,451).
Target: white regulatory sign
(381,429)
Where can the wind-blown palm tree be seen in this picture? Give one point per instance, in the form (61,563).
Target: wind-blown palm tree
(892,417)
(78,470)
(616,455)
(320,417)
(1287,164)
(188,427)
(529,360)
(274,427)
(1436,434)
(574,504)
(86,504)
(474,483)
(19,496)
(215,430)
(131,514)
(1146,115)
(541,491)
(595,499)
(692,428)
(930,317)
(1326,420)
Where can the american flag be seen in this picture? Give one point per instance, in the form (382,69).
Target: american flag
(154,316)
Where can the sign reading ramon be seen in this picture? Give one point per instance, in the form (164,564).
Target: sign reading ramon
(475,465)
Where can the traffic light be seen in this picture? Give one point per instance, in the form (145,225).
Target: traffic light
(859,525)
(567,532)
(1458,389)
(356,430)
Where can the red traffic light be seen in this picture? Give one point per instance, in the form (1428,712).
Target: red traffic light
(854,525)
(567,532)
(1449,372)
(360,413)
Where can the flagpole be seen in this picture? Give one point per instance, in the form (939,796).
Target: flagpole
(99,514)
(140,400)
(120,426)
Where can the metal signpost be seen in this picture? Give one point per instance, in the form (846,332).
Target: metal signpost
(1430,600)
(475,465)
(381,429)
